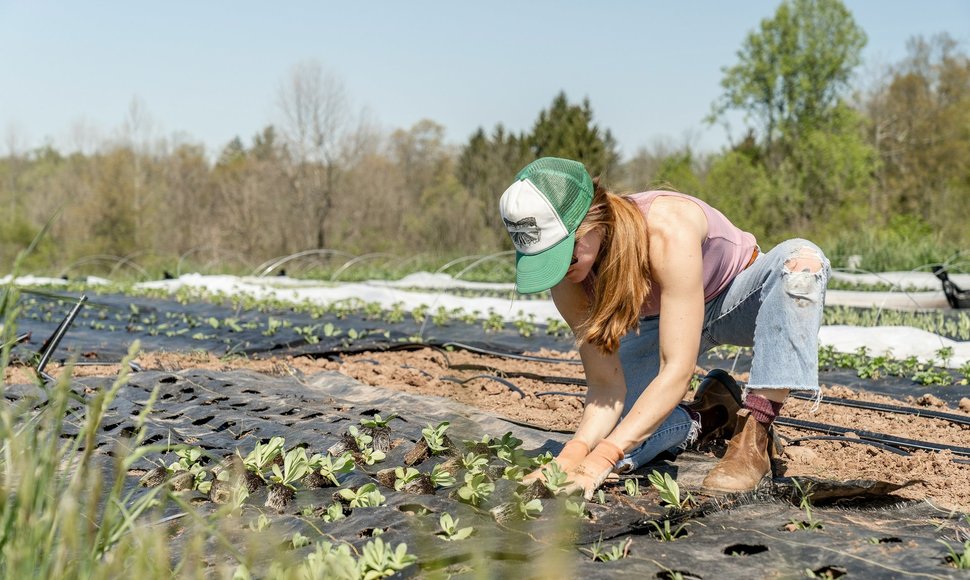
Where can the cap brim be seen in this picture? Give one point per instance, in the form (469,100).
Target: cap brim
(538,272)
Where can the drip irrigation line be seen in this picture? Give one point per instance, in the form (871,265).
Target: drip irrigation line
(951,417)
(843,439)
(50,345)
(16,340)
(97,363)
(68,298)
(508,384)
(560,393)
(521,374)
(480,350)
(871,436)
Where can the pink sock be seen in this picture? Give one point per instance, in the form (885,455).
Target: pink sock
(763,410)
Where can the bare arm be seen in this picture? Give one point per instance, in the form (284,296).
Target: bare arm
(677,228)
(604,375)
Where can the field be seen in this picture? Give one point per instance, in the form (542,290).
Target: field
(269,436)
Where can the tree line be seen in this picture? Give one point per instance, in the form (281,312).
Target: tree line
(881,170)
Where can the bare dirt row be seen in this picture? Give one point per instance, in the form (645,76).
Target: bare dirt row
(461,376)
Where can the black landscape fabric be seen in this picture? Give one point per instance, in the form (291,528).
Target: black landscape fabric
(865,532)
(109,323)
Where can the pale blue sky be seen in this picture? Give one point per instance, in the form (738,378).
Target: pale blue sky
(211,70)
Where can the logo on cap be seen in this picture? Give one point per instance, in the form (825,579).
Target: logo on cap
(524,232)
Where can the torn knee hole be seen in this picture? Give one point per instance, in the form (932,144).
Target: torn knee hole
(805,260)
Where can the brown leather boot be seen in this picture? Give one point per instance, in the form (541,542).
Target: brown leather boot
(746,461)
(717,401)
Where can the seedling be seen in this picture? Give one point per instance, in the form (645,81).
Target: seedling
(575,508)
(370,456)
(440,316)
(435,437)
(555,478)
(526,326)
(440,477)
(260,523)
(450,532)
(528,510)
(361,439)
(959,560)
(556,327)
(508,449)
(395,314)
(669,490)
(514,473)
(377,428)
(476,489)
(189,473)
(333,513)
(366,495)
(379,559)
(809,523)
(474,462)
(377,422)
(299,540)
(540,460)
(665,533)
(494,322)
(260,458)
(405,476)
(326,561)
(419,313)
(610,553)
(632,487)
(295,467)
(330,467)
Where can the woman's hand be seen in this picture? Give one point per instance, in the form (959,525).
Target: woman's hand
(593,471)
(572,454)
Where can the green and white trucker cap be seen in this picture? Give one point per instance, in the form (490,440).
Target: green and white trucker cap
(542,210)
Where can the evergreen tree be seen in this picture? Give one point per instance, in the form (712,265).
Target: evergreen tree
(565,130)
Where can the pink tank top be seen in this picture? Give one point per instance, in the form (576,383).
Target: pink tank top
(725,253)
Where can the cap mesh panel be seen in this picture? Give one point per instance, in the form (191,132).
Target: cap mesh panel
(567,185)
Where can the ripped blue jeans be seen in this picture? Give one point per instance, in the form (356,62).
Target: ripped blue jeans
(767,306)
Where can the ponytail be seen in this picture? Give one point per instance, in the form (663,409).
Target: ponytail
(623,274)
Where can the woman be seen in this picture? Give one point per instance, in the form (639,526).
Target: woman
(647,282)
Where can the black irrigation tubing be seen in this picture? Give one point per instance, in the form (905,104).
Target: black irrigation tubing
(69,298)
(844,439)
(508,384)
(521,374)
(951,417)
(480,350)
(560,393)
(869,435)
(876,439)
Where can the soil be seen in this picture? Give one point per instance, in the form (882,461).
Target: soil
(942,480)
